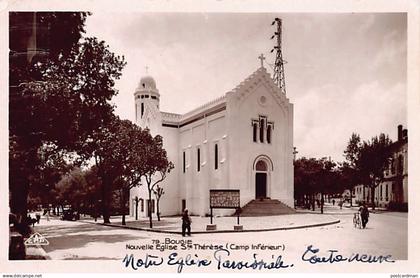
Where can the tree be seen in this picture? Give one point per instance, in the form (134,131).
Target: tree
(158,191)
(58,99)
(348,177)
(369,160)
(158,167)
(26,133)
(327,179)
(306,180)
(123,153)
(314,176)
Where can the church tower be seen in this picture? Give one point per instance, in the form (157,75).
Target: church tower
(146,98)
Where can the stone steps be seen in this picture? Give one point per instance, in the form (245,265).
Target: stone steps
(266,207)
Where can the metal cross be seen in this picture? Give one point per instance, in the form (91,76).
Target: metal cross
(262,58)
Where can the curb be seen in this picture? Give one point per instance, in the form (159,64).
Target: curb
(219,231)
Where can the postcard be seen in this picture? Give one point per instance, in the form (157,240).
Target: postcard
(210,137)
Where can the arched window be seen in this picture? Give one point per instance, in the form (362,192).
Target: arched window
(198,160)
(216,156)
(254,131)
(269,134)
(142,109)
(183,162)
(262,130)
(261,166)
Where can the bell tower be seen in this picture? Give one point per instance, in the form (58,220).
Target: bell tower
(146,98)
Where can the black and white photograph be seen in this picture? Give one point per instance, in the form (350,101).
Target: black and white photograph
(154,140)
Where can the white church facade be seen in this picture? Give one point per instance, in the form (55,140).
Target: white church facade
(242,140)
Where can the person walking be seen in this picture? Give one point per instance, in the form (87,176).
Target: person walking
(38,217)
(186,223)
(364,214)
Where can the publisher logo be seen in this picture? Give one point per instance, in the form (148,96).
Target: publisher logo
(36,239)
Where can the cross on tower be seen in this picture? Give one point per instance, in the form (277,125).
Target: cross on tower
(147,69)
(262,58)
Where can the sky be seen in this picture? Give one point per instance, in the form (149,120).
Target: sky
(345,72)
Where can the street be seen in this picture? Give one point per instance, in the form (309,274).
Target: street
(386,234)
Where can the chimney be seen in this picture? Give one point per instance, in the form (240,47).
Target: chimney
(404,135)
(400,132)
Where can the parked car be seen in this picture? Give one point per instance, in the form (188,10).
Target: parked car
(70,215)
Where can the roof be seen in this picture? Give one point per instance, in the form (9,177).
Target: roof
(219,103)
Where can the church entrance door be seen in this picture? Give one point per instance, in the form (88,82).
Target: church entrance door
(260,185)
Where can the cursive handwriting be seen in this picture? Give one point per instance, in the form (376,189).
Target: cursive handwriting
(312,256)
(189,260)
(149,261)
(255,263)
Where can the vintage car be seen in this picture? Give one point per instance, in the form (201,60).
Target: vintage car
(70,214)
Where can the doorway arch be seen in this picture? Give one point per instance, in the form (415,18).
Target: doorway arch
(262,167)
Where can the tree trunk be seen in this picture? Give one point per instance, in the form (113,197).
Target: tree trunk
(157,209)
(123,206)
(313,202)
(19,199)
(322,203)
(105,200)
(372,197)
(150,206)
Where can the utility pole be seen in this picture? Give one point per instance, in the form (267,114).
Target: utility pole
(279,63)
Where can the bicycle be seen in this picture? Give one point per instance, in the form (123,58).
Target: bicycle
(357,220)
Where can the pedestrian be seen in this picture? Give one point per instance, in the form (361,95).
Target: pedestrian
(186,223)
(333,201)
(38,217)
(364,214)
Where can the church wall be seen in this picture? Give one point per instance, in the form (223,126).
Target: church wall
(194,184)
(241,111)
(170,204)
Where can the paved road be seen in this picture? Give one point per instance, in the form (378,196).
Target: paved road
(386,234)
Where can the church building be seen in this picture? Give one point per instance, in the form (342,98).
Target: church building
(242,140)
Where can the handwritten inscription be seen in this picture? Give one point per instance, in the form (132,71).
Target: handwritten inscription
(313,256)
(222,260)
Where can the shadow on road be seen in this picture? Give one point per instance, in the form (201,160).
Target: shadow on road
(78,241)
(79,235)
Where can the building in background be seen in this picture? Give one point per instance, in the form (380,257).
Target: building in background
(242,140)
(392,193)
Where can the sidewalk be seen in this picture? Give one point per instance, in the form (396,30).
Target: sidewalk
(172,225)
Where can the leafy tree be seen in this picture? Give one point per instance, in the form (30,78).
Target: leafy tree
(327,179)
(313,176)
(26,131)
(306,173)
(158,167)
(158,192)
(67,103)
(348,177)
(71,189)
(369,160)
(120,150)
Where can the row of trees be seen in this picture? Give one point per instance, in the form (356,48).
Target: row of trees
(365,163)
(61,117)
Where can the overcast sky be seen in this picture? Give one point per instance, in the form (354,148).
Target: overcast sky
(345,72)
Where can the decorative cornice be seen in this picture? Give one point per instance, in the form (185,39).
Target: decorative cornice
(244,88)
(250,83)
(204,107)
